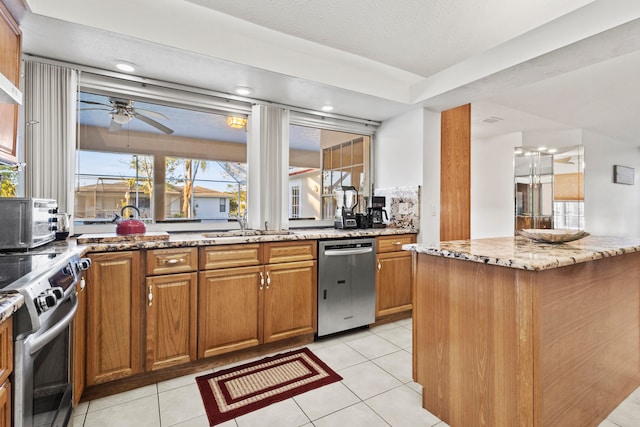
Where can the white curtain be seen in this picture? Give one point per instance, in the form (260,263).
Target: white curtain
(50,132)
(268,168)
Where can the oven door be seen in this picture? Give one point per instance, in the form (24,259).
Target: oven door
(42,374)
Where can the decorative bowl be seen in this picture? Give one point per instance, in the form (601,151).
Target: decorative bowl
(557,235)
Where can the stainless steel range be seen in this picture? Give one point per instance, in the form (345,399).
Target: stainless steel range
(42,383)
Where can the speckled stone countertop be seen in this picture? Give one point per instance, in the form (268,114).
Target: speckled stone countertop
(207,238)
(9,304)
(522,253)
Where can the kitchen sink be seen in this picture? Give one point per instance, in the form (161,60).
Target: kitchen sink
(246,233)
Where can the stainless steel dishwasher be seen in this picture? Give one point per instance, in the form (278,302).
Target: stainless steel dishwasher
(346,284)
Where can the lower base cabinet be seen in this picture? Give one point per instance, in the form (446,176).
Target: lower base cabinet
(171,320)
(6,367)
(229,309)
(242,307)
(5,404)
(393,275)
(114,320)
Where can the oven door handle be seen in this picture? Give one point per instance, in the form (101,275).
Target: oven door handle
(38,342)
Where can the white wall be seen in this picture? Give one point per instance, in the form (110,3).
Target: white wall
(610,209)
(407,153)
(430,209)
(398,151)
(492,197)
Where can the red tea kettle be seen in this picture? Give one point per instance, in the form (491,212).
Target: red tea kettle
(129,226)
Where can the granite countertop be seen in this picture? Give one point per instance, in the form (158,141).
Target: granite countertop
(108,243)
(9,304)
(522,253)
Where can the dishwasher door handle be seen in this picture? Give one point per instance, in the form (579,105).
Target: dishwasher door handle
(345,252)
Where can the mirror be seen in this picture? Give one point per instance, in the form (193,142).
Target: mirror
(549,187)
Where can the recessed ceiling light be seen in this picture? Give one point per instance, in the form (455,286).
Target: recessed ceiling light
(492,119)
(125,66)
(542,148)
(243,90)
(327,108)
(552,150)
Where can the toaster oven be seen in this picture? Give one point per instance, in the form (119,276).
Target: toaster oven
(27,222)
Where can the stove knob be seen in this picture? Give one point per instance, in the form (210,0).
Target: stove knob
(67,270)
(45,301)
(58,292)
(84,264)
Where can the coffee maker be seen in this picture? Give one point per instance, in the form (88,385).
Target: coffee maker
(347,200)
(376,212)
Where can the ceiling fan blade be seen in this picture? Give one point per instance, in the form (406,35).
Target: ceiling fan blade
(96,109)
(151,113)
(153,123)
(114,126)
(95,103)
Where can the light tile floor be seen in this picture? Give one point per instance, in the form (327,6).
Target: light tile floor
(376,390)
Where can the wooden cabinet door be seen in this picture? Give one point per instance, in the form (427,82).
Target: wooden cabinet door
(114,296)
(171,320)
(290,300)
(5,404)
(10,48)
(6,349)
(393,283)
(79,344)
(229,309)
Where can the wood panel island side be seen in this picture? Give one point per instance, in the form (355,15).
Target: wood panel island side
(510,332)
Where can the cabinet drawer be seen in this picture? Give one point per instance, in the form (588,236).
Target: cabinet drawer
(167,261)
(227,256)
(302,250)
(393,243)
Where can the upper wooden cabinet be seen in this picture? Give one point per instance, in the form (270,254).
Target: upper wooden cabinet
(10,45)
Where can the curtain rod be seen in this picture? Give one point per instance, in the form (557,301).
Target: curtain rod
(198,90)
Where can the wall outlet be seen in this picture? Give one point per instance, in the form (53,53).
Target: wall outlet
(433,210)
(403,208)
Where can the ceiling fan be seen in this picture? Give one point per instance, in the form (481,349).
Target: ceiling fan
(122,111)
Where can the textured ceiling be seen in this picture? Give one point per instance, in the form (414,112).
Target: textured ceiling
(419,36)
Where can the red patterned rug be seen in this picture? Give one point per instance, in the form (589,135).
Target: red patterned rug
(236,391)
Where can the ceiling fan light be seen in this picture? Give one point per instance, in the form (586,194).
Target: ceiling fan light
(120,118)
(236,122)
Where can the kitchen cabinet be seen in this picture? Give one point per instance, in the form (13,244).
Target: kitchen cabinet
(254,294)
(79,343)
(393,275)
(10,47)
(114,322)
(171,287)
(6,367)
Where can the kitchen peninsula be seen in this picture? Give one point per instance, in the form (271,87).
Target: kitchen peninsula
(511,332)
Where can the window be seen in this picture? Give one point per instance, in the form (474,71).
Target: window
(9,181)
(176,164)
(294,200)
(321,161)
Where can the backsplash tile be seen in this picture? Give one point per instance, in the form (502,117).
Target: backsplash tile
(402,205)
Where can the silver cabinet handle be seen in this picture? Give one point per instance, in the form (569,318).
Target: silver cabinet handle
(379,265)
(345,252)
(172,261)
(268,280)
(150,295)
(261,280)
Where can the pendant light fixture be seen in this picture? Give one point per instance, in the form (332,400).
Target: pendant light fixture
(236,122)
